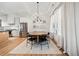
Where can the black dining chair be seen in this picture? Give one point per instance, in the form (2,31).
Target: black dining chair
(43,40)
(30,40)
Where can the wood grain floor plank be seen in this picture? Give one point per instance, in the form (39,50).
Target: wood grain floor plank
(11,45)
(4,51)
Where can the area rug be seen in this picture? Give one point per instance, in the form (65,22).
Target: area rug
(22,49)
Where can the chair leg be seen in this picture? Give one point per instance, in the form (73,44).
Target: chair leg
(31,45)
(48,41)
(41,46)
(48,44)
(26,42)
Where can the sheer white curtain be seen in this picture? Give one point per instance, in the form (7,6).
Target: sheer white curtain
(54,23)
(55,26)
(51,25)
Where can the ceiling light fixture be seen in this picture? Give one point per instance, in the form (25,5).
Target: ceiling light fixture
(37,11)
(37,17)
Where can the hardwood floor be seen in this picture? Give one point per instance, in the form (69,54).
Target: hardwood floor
(11,44)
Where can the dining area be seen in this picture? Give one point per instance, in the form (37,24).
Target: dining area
(36,43)
(38,38)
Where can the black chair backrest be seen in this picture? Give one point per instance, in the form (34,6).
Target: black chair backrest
(48,33)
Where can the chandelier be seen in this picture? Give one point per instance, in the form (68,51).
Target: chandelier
(38,18)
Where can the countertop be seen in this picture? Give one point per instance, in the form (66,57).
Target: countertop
(6,29)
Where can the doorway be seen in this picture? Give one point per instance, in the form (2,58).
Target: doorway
(23,29)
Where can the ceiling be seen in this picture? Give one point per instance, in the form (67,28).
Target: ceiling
(25,8)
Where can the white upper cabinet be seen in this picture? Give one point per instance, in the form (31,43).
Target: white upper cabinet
(10,20)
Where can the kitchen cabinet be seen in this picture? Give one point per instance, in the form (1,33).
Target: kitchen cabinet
(11,20)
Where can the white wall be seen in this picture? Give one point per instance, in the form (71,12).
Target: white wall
(29,21)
